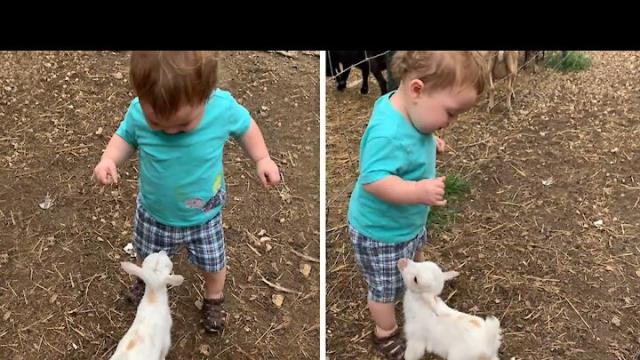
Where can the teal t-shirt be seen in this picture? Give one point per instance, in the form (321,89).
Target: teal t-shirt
(391,145)
(181,173)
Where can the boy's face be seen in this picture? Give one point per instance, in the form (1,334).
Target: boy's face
(434,110)
(185,119)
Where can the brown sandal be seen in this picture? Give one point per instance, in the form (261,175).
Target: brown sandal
(136,292)
(391,346)
(214,316)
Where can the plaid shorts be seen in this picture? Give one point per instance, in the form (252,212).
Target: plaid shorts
(204,242)
(378,263)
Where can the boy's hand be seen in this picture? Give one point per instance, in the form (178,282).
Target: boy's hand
(431,191)
(106,172)
(118,150)
(268,171)
(439,145)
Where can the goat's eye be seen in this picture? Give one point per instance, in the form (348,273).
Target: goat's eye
(415,279)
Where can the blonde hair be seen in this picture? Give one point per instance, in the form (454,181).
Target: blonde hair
(441,69)
(168,80)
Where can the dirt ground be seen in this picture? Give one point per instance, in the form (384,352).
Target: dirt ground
(530,254)
(61,286)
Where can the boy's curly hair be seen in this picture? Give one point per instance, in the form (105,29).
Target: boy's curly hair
(167,80)
(441,69)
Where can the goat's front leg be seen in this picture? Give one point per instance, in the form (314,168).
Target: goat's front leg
(513,85)
(415,349)
(492,88)
(377,66)
(510,93)
(492,91)
(382,82)
(342,79)
(365,79)
(512,68)
(510,90)
(165,350)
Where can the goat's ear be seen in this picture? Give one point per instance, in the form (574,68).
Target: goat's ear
(448,275)
(132,269)
(175,280)
(402,264)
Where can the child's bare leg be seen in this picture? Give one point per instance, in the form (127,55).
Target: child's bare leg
(214,284)
(384,315)
(213,314)
(387,339)
(419,256)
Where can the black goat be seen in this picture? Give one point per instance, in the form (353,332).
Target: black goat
(340,62)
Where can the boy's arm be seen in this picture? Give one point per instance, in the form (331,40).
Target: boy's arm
(381,158)
(395,190)
(253,143)
(116,153)
(118,150)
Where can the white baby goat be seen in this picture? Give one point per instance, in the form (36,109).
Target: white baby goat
(432,325)
(149,337)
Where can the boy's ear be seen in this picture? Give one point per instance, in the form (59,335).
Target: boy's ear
(415,87)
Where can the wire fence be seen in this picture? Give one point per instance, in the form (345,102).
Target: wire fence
(367,58)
